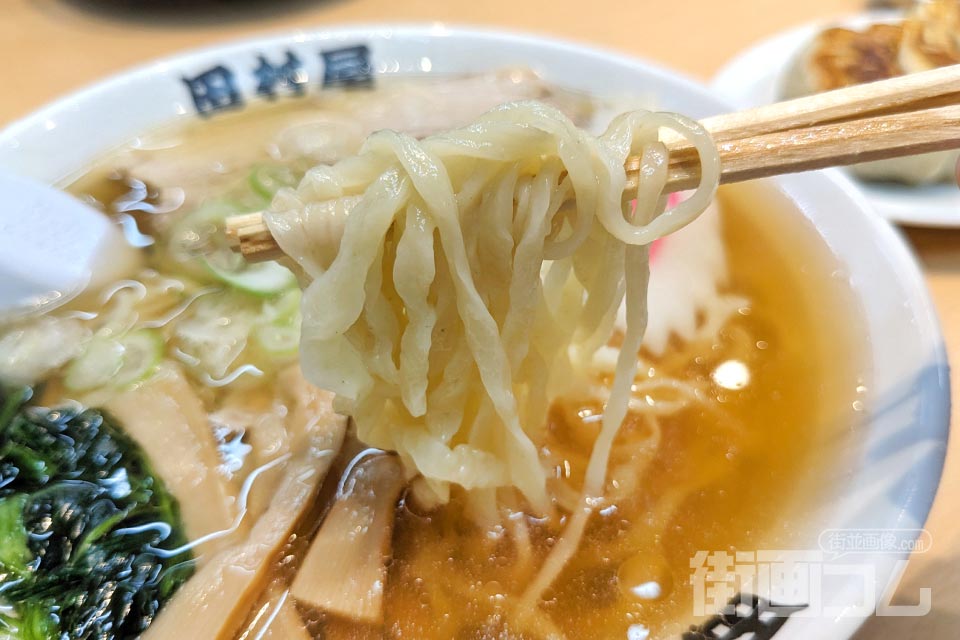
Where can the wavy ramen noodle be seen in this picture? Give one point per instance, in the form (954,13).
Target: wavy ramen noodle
(478,274)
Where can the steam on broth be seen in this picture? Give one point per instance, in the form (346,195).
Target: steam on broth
(196,357)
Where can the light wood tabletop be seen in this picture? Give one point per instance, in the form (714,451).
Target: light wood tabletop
(51,47)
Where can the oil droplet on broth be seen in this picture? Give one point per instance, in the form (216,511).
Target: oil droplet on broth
(644,578)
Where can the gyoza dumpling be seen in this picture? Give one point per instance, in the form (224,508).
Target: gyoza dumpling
(931,36)
(928,38)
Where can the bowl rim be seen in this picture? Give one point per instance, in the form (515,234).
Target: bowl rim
(341,31)
(895,249)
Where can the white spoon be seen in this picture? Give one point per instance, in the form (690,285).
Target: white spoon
(52,246)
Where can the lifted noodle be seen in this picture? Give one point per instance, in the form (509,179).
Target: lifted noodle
(478,273)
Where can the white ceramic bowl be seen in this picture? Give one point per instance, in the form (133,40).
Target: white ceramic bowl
(892,477)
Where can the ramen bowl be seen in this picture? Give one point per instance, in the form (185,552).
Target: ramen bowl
(863,509)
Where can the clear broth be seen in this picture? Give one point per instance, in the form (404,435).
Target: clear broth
(737,477)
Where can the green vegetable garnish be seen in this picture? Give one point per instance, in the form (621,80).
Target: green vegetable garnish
(89,536)
(198,243)
(267,179)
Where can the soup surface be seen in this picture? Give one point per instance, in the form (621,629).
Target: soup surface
(724,461)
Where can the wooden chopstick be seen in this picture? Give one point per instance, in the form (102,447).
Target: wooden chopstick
(903,116)
(875,121)
(934,88)
(249,234)
(829,145)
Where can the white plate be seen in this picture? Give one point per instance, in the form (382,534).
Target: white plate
(896,452)
(755,77)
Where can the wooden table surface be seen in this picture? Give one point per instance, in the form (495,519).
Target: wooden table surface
(50,47)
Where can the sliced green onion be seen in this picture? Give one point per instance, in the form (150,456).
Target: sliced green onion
(261,279)
(199,238)
(115,362)
(142,352)
(267,179)
(279,340)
